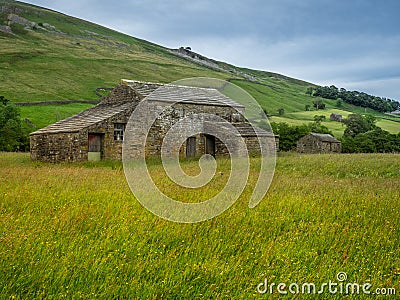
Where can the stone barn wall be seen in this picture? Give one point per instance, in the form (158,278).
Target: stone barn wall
(334,147)
(121,93)
(111,149)
(312,144)
(56,147)
(74,146)
(180,110)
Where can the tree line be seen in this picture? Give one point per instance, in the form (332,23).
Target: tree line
(354,97)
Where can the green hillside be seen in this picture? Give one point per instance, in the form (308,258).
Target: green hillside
(46,56)
(76,57)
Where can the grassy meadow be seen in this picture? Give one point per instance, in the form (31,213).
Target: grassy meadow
(76,231)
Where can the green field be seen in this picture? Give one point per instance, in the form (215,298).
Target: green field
(388,125)
(43,115)
(76,231)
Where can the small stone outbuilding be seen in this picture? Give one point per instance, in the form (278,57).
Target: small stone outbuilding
(319,143)
(336,117)
(98,132)
(396,112)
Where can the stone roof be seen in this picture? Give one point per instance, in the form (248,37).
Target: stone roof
(143,88)
(182,94)
(325,137)
(84,119)
(244,129)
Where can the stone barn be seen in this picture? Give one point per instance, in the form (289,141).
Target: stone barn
(336,117)
(319,143)
(98,132)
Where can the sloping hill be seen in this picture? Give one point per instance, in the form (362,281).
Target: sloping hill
(47,56)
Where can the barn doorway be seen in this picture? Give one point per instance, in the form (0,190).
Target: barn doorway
(191,147)
(95,142)
(210,144)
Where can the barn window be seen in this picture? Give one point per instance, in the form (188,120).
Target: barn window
(119,132)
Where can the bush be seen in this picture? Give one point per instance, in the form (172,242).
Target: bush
(319,119)
(356,124)
(12,135)
(318,128)
(289,135)
(363,136)
(318,104)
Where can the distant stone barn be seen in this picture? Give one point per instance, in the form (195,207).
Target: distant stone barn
(98,132)
(336,117)
(319,143)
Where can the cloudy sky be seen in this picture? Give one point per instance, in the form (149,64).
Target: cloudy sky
(353,44)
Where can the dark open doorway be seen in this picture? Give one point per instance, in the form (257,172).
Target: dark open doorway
(210,144)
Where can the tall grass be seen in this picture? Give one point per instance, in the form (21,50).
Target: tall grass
(76,231)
